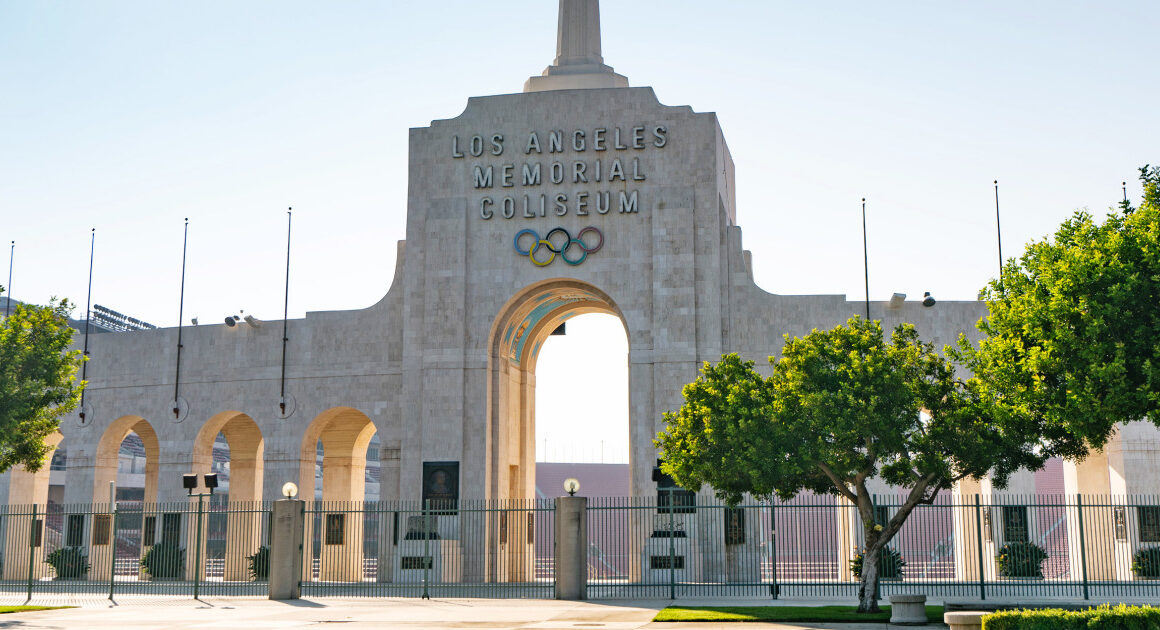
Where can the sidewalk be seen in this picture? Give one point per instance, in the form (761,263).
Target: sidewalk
(365,613)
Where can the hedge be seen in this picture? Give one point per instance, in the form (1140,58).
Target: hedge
(1102,618)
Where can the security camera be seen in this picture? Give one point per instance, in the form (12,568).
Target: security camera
(193,321)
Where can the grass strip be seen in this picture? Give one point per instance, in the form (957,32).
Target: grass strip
(15,609)
(782,613)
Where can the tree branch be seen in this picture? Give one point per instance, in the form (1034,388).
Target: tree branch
(838,483)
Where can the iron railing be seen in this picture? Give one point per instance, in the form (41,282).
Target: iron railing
(134,549)
(674,546)
(417,549)
(1001,546)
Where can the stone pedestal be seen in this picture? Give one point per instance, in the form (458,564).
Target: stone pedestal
(286,552)
(571,548)
(908,610)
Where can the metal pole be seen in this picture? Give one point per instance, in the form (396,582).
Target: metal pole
(998,230)
(426,549)
(8,289)
(112,538)
(1082,544)
(180,315)
(197,552)
(672,546)
(88,316)
(285,312)
(32,530)
(773,546)
(979,539)
(865,259)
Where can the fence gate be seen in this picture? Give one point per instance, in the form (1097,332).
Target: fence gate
(416,549)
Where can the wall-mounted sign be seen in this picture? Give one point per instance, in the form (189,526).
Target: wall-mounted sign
(441,486)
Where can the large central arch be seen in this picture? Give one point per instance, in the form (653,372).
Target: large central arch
(518,333)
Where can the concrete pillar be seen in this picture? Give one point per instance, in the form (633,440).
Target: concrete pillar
(572,548)
(286,538)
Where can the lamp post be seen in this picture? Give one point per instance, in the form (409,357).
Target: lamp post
(189,482)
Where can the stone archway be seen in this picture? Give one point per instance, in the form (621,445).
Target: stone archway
(519,331)
(108,455)
(244,520)
(345,433)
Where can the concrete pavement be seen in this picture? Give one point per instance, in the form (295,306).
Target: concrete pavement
(363,613)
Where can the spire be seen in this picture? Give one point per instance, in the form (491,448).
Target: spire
(578,63)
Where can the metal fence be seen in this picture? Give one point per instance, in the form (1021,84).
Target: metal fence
(415,549)
(676,545)
(196,548)
(1002,546)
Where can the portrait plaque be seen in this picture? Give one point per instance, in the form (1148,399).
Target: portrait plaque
(441,486)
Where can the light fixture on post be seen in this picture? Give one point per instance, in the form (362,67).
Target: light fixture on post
(289,489)
(189,482)
(571,486)
(927,300)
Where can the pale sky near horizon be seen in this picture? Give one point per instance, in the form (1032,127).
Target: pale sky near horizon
(128,116)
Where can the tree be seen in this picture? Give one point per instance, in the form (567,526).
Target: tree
(37,380)
(843,406)
(1072,329)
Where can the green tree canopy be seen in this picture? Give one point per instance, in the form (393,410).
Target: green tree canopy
(1073,331)
(37,380)
(843,406)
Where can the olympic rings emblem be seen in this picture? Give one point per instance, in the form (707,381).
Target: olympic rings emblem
(556,245)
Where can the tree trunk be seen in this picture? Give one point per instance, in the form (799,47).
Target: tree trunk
(868,589)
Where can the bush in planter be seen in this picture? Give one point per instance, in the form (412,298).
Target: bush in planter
(70,563)
(1021,560)
(1146,562)
(260,563)
(164,560)
(890,564)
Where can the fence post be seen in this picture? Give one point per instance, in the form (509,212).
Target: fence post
(979,541)
(672,546)
(571,546)
(1082,544)
(113,549)
(773,547)
(427,559)
(287,530)
(31,549)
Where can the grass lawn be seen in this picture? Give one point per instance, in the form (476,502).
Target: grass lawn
(781,613)
(12,609)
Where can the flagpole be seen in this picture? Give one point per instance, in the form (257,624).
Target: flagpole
(998,230)
(865,259)
(8,289)
(88,316)
(285,311)
(180,326)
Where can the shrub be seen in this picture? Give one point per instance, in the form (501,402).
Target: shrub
(1146,562)
(164,560)
(890,564)
(70,563)
(260,563)
(1102,618)
(1021,560)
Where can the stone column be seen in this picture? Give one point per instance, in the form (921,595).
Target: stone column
(572,548)
(286,548)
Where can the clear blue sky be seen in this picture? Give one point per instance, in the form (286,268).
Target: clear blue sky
(128,116)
